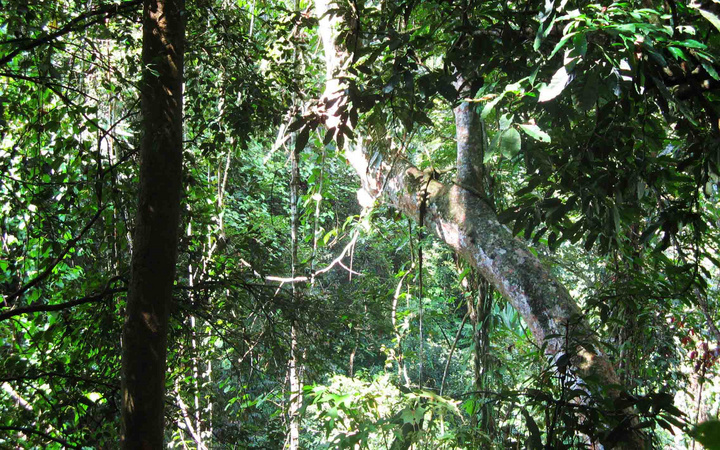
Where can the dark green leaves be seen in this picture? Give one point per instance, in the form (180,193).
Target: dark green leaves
(302,138)
(534,440)
(509,142)
(708,434)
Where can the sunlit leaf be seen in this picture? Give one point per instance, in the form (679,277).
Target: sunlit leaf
(535,132)
(557,84)
(711,17)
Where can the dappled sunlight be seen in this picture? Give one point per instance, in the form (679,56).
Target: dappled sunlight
(356,225)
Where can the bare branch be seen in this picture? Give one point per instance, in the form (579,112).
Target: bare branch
(335,262)
(42,307)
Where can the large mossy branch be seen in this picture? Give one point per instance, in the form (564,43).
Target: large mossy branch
(465,222)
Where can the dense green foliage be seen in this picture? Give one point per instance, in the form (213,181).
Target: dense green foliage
(603,152)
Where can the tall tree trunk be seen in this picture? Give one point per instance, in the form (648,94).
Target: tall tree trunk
(194,356)
(470,139)
(293,364)
(156,227)
(471,174)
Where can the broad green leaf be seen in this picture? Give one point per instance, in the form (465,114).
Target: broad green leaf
(708,434)
(561,44)
(592,237)
(616,218)
(711,70)
(302,139)
(535,132)
(490,105)
(579,46)
(296,125)
(329,134)
(671,98)
(463,274)
(543,32)
(589,95)
(557,84)
(509,143)
(677,53)
(506,121)
(691,43)
(534,441)
(712,18)
(413,415)
(627,27)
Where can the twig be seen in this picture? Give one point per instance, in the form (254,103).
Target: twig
(184,410)
(333,263)
(26,430)
(452,350)
(70,244)
(41,307)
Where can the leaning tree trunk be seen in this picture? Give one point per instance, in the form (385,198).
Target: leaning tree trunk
(156,227)
(460,216)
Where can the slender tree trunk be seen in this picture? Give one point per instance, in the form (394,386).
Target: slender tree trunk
(318,200)
(156,227)
(398,354)
(194,357)
(472,307)
(294,369)
(482,353)
(452,350)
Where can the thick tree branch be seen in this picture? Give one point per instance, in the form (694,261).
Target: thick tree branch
(462,218)
(77,24)
(42,307)
(467,224)
(40,375)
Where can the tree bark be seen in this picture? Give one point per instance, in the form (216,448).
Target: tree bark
(470,137)
(156,227)
(293,363)
(465,222)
